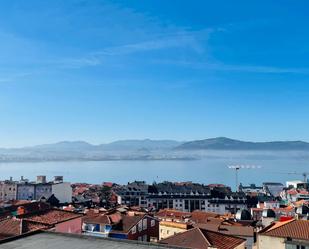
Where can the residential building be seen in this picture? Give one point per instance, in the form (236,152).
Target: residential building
(170,228)
(133,194)
(122,225)
(189,197)
(273,188)
(57,220)
(25,190)
(292,234)
(197,238)
(8,189)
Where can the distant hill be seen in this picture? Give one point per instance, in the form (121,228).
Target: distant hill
(146,144)
(146,149)
(223,143)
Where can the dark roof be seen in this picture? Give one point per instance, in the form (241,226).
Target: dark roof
(295,229)
(52,240)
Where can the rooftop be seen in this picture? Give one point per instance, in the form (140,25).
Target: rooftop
(12,227)
(198,238)
(68,241)
(51,217)
(295,229)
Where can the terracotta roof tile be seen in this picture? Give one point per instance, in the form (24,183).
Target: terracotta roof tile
(202,217)
(296,229)
(197,238)
(51,217)
(13,227)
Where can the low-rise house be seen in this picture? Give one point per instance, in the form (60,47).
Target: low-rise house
(197,238)
(294,195)
(170,228)
(125,225)
(57,220)
(230,227)
(173,215)
(291,234)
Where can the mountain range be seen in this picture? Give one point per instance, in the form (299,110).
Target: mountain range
(146,149)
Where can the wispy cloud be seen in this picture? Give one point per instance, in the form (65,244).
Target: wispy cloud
(219,66)
(187,40)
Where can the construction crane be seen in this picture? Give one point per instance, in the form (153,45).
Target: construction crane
(304,174)
(238,167)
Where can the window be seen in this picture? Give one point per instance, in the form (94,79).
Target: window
(300,247)
(134,230)
(144,224)
(152,223)
(140,226)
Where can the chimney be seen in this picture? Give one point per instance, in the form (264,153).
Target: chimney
(11,178)
(22,178)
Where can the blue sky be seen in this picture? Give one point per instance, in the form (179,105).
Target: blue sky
(106,70)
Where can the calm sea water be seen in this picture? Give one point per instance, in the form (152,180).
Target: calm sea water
(203,171)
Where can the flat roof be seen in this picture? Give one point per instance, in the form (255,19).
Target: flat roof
(51,240)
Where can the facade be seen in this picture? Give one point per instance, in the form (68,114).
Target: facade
(131,226)
(43,190)
(62,191)
(8,190)
(185,197)
(25,190)
(191,202)
(133,194)
(170,228)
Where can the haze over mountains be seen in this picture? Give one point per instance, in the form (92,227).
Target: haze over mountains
(144,149)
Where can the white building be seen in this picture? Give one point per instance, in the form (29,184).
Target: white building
(62,191)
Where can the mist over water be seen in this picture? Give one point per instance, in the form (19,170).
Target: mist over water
(212,168)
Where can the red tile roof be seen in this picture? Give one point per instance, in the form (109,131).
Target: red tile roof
(172,214)
(202,217)
(52,217)
(295,229)
(13,227)
(197,238)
